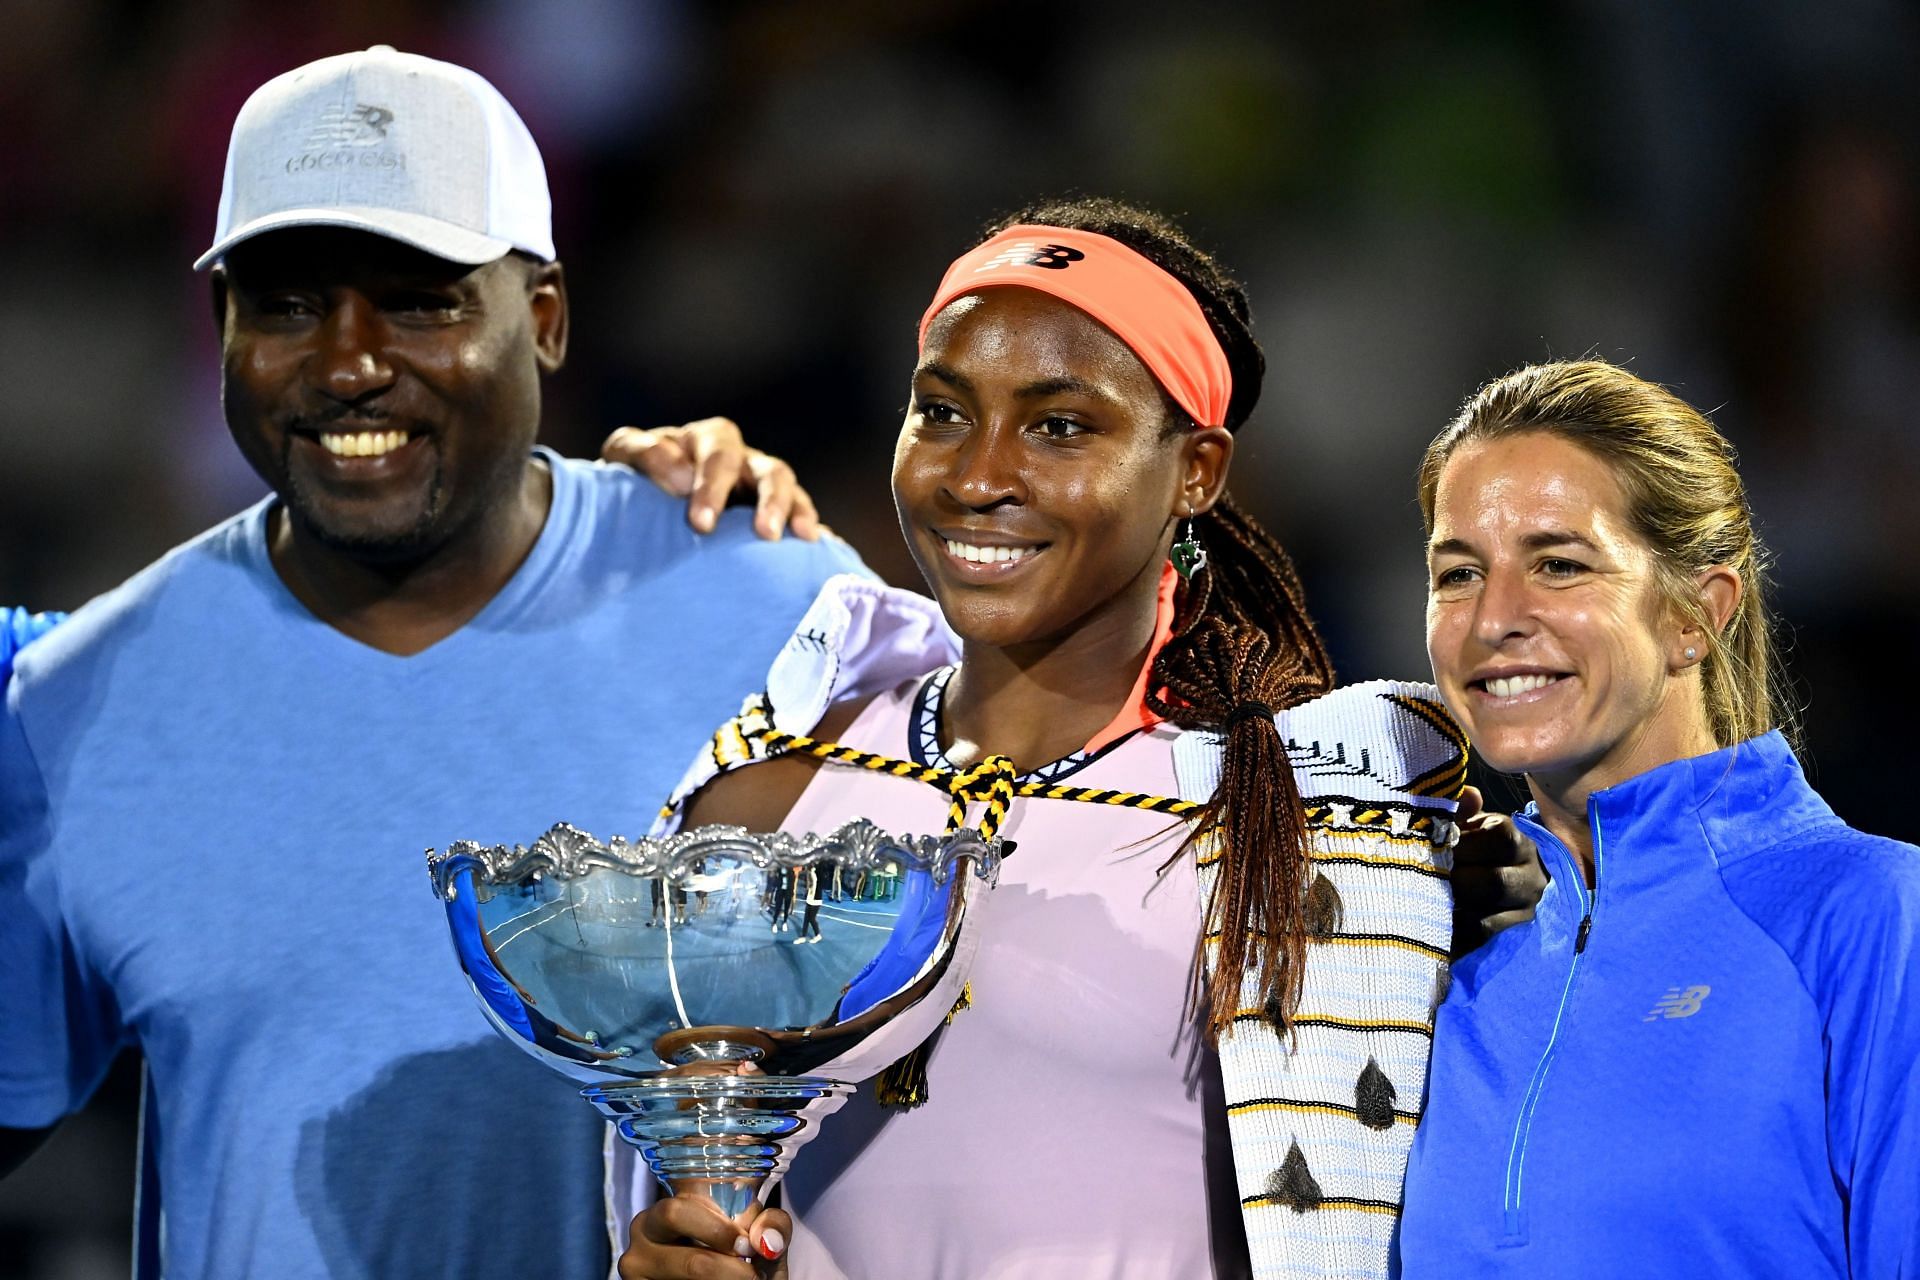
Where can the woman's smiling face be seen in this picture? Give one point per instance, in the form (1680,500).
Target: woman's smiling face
(1550,636)
(1035,479)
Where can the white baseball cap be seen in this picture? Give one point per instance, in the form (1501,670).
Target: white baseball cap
(406,147)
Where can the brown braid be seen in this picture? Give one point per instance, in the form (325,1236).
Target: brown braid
(1242,635)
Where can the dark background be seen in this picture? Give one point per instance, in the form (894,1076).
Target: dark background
(754,201)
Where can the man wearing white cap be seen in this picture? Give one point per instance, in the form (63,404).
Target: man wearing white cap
(216,781)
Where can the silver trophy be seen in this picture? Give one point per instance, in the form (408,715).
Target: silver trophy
(713,1013)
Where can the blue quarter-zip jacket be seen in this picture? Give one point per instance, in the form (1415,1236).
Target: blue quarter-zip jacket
(1706,1066)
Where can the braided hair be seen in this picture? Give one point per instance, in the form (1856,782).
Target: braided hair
(1243,647)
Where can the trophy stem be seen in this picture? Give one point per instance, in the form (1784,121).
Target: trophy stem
(727,1138)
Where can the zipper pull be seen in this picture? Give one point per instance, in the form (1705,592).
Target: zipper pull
(1580,939)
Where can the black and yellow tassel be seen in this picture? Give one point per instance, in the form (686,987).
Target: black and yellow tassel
(903,1086)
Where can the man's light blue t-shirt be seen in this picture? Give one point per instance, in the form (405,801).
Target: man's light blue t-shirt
(213,815)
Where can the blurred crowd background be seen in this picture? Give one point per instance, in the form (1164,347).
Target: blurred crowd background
(755,200)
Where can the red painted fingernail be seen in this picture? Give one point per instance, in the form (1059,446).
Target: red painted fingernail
(772,1244)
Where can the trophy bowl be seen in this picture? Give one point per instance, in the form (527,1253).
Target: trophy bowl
(718,991)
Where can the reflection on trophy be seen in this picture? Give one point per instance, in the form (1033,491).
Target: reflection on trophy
(666,974)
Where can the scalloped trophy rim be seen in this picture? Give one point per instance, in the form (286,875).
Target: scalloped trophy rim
(722,1135)
(566,852)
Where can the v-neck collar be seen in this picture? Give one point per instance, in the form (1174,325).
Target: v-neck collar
(923,735)
(548,549)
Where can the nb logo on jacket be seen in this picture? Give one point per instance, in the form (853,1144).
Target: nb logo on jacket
(1678,1003)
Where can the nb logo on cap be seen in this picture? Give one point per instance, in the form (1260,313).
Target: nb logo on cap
(360,125)
(1031,253)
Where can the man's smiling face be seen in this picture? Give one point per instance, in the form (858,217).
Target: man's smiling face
(389,397)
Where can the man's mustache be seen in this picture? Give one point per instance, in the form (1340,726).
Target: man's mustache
(312,422)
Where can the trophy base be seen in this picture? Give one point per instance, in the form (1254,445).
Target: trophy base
(727,1138)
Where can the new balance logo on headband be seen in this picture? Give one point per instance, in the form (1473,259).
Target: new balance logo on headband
(1143,304)
(1031,253)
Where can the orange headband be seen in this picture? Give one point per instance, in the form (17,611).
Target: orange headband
(1142,304)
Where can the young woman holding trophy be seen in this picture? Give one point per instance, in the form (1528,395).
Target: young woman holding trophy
(1198,1023)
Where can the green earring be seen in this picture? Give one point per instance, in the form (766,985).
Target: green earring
(1188,555)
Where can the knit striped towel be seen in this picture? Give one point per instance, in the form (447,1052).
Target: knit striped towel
(1322,1117)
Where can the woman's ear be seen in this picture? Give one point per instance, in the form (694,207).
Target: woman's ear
(1720,591)
(1206,454)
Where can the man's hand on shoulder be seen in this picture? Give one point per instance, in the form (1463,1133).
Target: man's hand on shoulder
(1497,875)
(709,463)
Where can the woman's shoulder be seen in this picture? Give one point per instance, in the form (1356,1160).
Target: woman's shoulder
(1780,847)
(759,795)
(1838,871)
(1842,904)
(859,641)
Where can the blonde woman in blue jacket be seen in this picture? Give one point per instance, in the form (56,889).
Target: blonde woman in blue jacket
(1699,1058)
